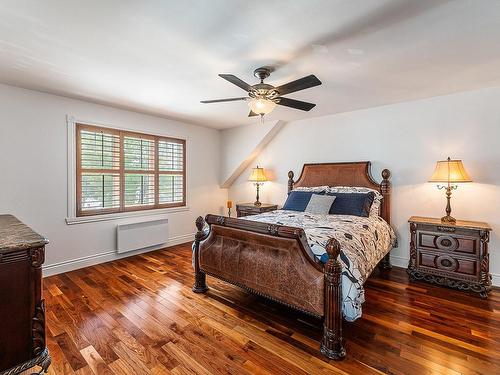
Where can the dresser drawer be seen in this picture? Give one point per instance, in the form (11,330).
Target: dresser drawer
(464,267)
(462,244)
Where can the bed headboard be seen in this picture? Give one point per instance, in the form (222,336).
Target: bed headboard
(345,174)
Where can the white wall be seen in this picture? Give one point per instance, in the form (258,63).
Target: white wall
(241,145)
(33,173)
(407,138)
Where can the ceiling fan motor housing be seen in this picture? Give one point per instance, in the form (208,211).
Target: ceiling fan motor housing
(264,91)
(262,73)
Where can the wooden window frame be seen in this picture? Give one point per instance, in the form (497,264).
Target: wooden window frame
(122,171)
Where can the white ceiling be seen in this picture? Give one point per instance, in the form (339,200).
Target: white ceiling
(163,57)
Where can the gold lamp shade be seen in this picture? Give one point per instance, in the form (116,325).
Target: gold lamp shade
(450,171)
(257,175)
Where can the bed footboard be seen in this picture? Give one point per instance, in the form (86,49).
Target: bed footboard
(273,261)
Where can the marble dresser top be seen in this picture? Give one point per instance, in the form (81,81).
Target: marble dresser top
(14,235)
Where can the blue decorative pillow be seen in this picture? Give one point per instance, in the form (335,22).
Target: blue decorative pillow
(298,200)
(356,204)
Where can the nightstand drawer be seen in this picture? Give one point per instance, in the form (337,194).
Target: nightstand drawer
(247,209)
(242,213)
(457,243)
(462,267)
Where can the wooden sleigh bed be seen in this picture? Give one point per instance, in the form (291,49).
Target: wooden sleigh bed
(276,262)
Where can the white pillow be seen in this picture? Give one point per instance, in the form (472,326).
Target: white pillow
(320,204)
(316,189)
(352,189)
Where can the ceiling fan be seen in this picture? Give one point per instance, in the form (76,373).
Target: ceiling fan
(262,98)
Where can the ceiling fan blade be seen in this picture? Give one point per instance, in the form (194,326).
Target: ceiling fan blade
(224,100)
(236,81)
(252,113)
(299,84)
(297,104)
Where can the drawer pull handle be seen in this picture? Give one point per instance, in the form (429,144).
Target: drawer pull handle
(446,242)
(447,263)
(445,229)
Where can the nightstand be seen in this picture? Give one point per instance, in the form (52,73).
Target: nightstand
(247,209)
(452,255)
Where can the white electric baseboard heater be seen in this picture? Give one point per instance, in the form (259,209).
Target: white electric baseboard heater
(141,235)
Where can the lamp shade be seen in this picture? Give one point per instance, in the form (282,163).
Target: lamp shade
(261,106)
(450,171)
(257,175)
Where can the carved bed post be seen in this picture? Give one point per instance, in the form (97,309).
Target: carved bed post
(200,283)
(290,181)
(385,188)
(332,342)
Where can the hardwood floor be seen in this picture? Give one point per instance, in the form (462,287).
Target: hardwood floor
(139,316)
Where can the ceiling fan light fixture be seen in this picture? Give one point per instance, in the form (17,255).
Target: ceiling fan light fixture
(261,106)
(262,97)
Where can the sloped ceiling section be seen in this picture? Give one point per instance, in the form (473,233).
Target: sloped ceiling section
(241,145)
(163,57)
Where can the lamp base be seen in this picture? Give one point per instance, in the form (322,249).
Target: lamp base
(257,203)
(448,219)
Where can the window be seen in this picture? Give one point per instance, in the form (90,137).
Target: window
(120,171)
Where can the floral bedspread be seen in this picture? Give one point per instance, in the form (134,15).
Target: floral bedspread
(364,242)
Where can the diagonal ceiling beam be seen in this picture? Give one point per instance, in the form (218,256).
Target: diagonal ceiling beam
(242,145)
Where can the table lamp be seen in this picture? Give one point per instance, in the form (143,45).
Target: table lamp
(449,172)
(257,177)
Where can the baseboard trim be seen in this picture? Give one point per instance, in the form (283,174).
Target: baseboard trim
(92,260)
(495,279)
(399,261)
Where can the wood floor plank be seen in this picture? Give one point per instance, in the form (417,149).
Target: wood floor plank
(95,362)
(187,361)
(138,315)
(71,353)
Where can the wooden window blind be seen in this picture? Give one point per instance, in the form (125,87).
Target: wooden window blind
(120,171)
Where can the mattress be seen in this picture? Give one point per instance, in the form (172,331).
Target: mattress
(364,242)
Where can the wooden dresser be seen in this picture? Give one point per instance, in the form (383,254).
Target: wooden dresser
(452,255)
(247,209)
(22,310)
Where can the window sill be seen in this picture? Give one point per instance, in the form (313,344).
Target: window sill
(123,215)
